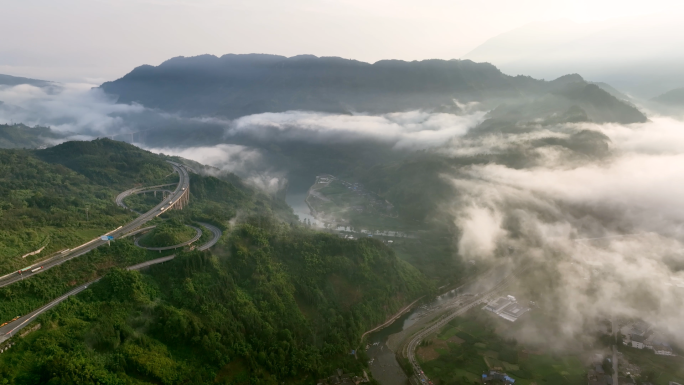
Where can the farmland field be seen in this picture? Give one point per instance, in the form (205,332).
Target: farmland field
(472,347)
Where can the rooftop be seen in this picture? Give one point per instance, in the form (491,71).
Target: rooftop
(498,305)
(638,338)
(507,308)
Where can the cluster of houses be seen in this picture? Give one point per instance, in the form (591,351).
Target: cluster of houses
(494,377)
(639,336)
(598,376)
(507,308)
(341,378)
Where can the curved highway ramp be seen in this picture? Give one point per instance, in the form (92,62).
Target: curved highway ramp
(178,197)
(14,327)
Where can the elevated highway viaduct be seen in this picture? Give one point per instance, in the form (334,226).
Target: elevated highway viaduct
(177,199)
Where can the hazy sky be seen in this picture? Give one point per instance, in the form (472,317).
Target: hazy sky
(96,40)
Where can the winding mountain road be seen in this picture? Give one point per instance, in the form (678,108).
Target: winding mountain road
(140,190)
(215,231)
(38,267)
(14,327)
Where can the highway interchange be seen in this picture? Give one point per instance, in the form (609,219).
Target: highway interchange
(181,189)
(7,331)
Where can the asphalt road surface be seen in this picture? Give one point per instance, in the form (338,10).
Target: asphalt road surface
(14,327)
(181,188)
(139,190)
(467,305)
(214,230)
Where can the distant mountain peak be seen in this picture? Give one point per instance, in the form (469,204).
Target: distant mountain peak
(238,85)
(8,80)
(673,97)
(569,78)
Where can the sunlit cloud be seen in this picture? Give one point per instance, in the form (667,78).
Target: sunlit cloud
(411,130)
(606,237)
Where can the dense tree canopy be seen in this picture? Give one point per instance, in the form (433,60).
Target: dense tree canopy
(272,302)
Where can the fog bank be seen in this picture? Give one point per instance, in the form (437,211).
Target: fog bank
(412,130)
(600,239)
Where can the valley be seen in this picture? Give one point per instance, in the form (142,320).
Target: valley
(270,220)
(20,296)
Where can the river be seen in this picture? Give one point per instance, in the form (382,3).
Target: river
(384,366)
(299,206)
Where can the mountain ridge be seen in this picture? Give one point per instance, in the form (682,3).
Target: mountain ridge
(9,80)
(232,86)
(672,97)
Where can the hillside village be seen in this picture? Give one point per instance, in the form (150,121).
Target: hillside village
(640,335)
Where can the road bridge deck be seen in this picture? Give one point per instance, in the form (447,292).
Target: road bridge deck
(12,328)
(178,197)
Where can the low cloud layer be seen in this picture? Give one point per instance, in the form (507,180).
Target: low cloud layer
(413,130)
(601,239)
(600,236)
(66,108)
(246,162)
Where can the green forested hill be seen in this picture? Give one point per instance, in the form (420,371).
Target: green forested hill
(22,136)
(272,302)
(416,184)
(108,162)
(43,204)
(63,196)
(673,97)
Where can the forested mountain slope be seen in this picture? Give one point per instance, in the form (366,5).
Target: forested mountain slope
(236,85)
(404,182)
(672,98)
(22,136)
(272,302)
(46,204)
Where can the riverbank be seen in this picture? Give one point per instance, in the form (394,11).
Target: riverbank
(385,362)
(321,182)
(396,316)
(396,342)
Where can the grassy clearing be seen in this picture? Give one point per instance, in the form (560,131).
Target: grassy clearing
(168,233)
